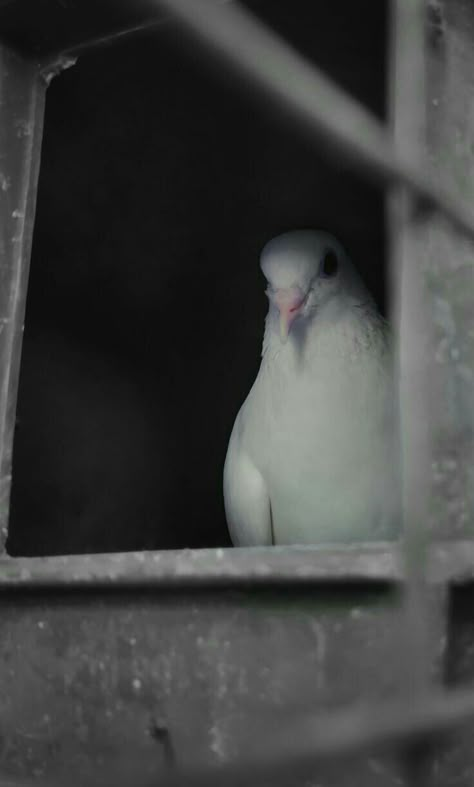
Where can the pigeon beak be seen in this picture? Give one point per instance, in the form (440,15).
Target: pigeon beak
(289,302)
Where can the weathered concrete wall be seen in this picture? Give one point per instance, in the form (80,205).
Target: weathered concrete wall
(128,667)
(87,679)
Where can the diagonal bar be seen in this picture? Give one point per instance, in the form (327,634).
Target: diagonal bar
(336,122)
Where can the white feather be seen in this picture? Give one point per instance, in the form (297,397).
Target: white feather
(311,457)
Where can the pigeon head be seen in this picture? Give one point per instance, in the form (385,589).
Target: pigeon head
(306,270)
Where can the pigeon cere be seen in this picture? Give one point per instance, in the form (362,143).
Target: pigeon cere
(311,456)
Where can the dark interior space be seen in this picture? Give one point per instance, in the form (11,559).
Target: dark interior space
(162,177)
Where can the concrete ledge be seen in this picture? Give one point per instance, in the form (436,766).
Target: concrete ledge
(377,562)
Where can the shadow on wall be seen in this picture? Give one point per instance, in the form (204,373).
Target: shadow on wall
(161,180)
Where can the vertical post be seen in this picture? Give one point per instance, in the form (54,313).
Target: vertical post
(22,92)
(408,227)
(406,236)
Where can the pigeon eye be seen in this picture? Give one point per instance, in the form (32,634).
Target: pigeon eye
(329,265)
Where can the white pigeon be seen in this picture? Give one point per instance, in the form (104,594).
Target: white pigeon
(311,455)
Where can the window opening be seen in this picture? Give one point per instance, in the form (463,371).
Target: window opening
(161,180)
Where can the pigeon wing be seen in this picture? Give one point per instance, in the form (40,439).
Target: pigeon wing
(247,504)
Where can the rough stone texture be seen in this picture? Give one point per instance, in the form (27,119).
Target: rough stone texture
(88,680)
(117,668)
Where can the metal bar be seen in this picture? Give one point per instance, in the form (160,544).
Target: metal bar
(407,235)
(295,742)
(21,117)
(335,120)
(407,94)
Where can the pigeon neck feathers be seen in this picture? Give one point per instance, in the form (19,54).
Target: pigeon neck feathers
(342,329)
